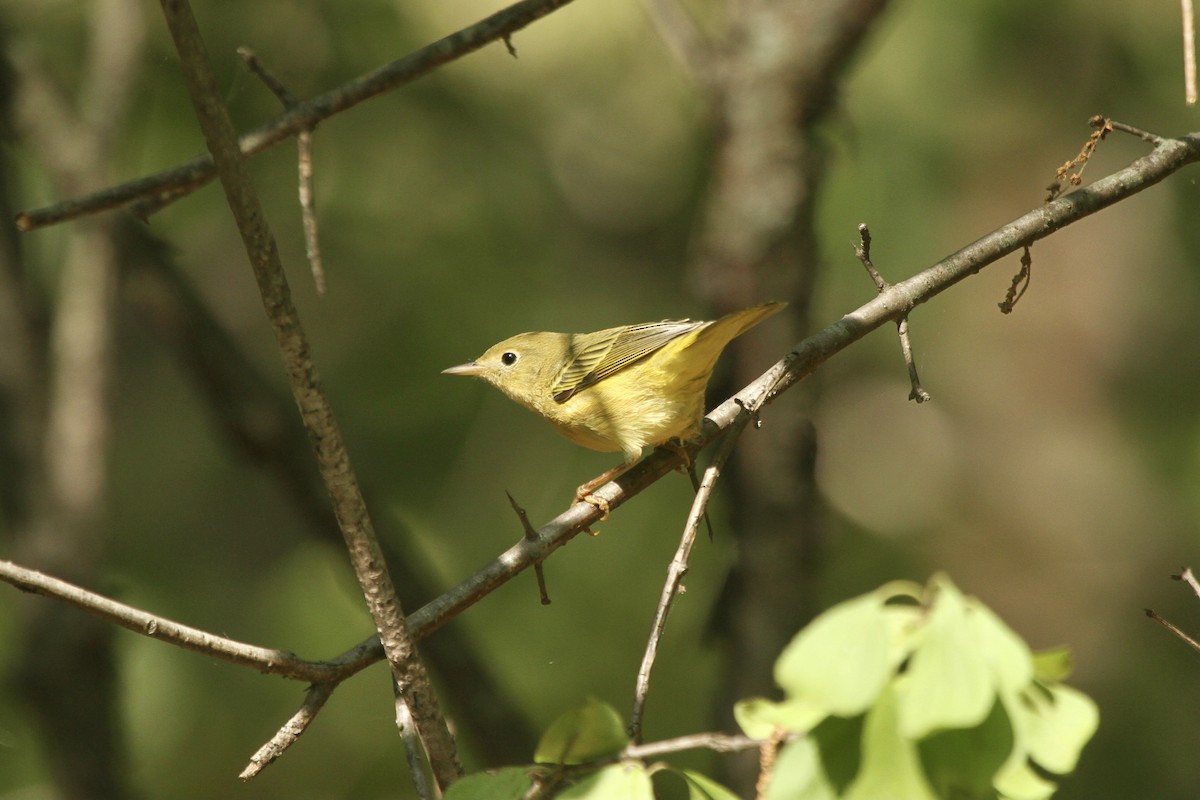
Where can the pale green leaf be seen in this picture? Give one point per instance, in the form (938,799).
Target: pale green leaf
(798,774)
(948,683)
(627,781)
(592,731)
(891,768)
(510,783)
(1059,729)
(1006,654)
(1016,780)
(702,787)
(905,625)
(759,718)
(839,662)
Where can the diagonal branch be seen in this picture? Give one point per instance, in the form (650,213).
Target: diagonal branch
(164,187)
(896,301)
(411,678)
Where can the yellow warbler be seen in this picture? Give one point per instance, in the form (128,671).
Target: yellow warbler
(620,388)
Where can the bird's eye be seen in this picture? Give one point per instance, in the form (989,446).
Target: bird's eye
(508,359)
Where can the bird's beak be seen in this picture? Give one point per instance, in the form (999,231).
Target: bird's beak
(464,369)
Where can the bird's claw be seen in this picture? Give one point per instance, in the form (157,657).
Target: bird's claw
(600,503)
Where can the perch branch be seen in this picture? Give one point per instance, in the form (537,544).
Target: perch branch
(407,668)
(1167,158)
(164,187)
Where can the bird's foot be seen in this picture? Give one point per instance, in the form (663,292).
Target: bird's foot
(600,503)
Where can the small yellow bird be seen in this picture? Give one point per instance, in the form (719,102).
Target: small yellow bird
(619,389)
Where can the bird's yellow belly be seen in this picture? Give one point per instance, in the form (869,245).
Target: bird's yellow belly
(634,411)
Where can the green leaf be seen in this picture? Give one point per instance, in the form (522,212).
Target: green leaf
(891,769)
(798,774)
(1006,654)
(839,741)
(591,731)
(702,787)
(759,718)
(1016,780)
(1059,729)
(1053,665)
(948,683)
(840,662)
(628,781)
(510,783)
(962,762)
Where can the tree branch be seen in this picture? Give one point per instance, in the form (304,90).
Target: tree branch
(261,424)
(165,187)
(408,670)
(678,569)
(898,300)
(264,659)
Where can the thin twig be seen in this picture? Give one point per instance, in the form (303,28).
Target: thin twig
(863,252)
(286,736)
(308,210)
(281,92)
(677,570)
(716,742)
(412,748)
(1145,136)
(1189,51)
(530,536)
(328,446)
(304,169)
(1152,614)
(1189,577)
(164,187)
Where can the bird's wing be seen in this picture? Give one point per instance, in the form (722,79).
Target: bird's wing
(608,352)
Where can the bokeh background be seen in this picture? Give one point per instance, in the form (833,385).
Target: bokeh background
(1054,475)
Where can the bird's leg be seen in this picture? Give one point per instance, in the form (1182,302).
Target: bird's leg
(584,492)
(677,447)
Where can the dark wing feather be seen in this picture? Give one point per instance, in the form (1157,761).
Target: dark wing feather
(608,352)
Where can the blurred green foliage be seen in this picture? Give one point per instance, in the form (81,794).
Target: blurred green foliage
(1054,474)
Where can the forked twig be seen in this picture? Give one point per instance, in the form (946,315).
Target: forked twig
(863,253)
(304,168)
(1188,577)
(531,536)
(157,190)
